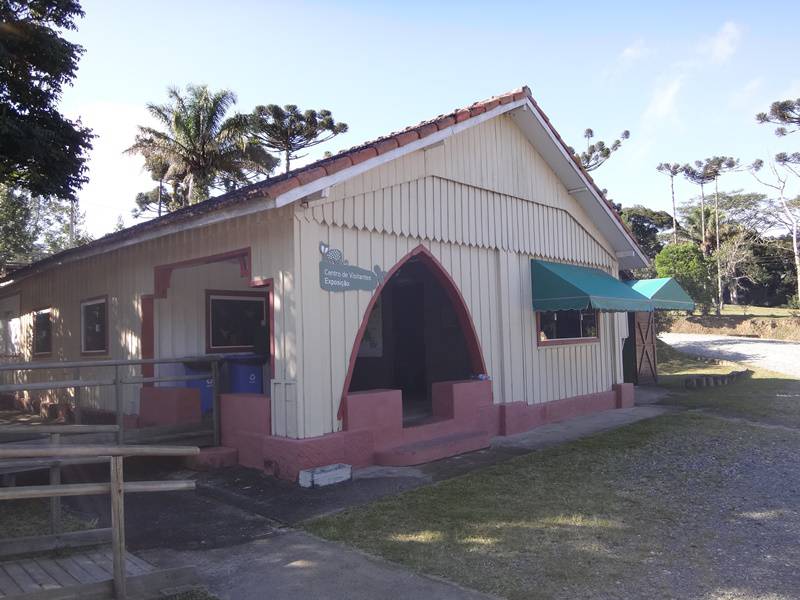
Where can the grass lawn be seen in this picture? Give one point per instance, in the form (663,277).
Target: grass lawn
(765,396)
(751,321)
(682,506)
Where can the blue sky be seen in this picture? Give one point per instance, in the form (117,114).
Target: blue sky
(685,78)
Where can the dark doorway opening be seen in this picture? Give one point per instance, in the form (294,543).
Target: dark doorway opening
(414,337)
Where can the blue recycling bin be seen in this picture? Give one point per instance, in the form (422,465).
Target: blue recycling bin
(245,374)
(204,385)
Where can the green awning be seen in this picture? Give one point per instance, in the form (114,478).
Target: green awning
(665,293)
(566,287)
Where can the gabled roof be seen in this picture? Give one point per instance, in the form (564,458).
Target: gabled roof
(301,182)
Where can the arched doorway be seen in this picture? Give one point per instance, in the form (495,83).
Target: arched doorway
(416,331)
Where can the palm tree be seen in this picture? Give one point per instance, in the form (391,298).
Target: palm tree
(201,147)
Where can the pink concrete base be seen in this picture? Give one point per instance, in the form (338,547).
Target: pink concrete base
(169,406)
(465,419)
(244,422)
(518,417)
(213,458)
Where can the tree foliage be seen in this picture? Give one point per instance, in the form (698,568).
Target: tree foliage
(783,113)
(687,264)
(672,170)
(41,151)
(598,152)
(16,239)
(289,131)
(646,225)
(198,146)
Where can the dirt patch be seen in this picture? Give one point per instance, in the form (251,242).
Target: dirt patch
(776,328)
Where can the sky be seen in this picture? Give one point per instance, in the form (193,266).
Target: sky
(685,78)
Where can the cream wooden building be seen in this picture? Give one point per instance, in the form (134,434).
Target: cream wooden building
(393,282)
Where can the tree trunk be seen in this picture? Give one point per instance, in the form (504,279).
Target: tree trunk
(287,159)
(703,245)
(674,219)
(716,226)
(796,248)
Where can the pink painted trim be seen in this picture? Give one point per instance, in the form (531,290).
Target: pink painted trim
(478,365)
(162,274)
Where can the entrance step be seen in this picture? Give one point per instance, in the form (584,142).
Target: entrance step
(432,449)
(214,457)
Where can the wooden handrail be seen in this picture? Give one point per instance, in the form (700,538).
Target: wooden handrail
(91,489)
(55,385)
(66,428)
(47,451)
(68,364)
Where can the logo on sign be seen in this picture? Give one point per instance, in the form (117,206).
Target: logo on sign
(336,275)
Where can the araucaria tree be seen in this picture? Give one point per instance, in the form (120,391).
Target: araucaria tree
(288,131)
(200,145)
(701,173)
(41,151)
(786,115)
(672,170)
(598,152)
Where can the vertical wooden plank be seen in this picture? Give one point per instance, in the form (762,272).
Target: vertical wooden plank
(118,526)
(55,479)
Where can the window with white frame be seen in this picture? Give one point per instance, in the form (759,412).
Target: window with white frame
(94,326)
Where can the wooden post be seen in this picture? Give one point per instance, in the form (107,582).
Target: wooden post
(55,479)
(215,399)
(76,377)
(119,405)
(118,526)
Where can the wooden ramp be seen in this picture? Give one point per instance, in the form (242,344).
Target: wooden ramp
(85,574)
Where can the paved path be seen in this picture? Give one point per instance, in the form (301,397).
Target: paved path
(294,564)
(782,357)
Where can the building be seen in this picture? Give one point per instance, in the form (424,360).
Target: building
(391,286)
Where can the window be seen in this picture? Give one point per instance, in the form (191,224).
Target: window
(237,322)
(94,326)
(572,325)
(42,332)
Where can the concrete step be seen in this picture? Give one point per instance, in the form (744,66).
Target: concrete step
(433,449)
(214,457)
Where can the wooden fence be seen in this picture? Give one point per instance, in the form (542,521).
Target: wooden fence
(55,454)
(117,381)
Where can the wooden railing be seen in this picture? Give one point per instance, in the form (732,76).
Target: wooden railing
(117,381)
(116,487)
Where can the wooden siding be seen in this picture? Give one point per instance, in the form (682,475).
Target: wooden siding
(484,203)
(126,274)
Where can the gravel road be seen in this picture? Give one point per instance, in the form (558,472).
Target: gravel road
(778,356)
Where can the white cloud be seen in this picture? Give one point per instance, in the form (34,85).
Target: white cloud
(636,51)
(723,44)
(663,102)
(114,177)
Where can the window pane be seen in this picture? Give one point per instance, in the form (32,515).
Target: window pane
(547,326)
(237,322)
(42,333)
(589,324)
(94,327)
(568,324)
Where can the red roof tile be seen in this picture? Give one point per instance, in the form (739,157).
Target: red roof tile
(280,184)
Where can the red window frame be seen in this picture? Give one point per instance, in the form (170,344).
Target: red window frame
(265,295)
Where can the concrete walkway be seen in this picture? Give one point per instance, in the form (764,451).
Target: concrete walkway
(774,355)
(294,564)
